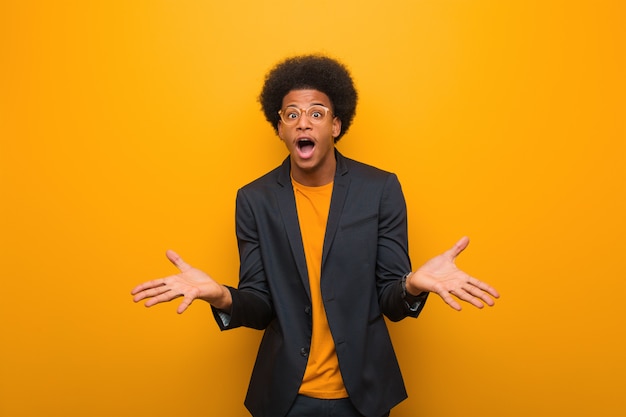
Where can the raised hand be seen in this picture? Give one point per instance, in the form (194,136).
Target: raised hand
(190,284)
(440,275)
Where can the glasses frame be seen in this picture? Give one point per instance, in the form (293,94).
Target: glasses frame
(291,122)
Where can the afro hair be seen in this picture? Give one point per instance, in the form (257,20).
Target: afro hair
(316,72)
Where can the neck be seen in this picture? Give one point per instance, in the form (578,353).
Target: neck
(314,177)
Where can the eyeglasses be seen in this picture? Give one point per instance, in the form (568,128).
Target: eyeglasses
(316,114)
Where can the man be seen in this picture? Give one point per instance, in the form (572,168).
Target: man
(323,256)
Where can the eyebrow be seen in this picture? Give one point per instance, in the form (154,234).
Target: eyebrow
(313,104)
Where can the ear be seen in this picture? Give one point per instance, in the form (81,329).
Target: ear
(336,129)
(279,129)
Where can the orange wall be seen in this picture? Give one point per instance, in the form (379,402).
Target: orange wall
(119,120)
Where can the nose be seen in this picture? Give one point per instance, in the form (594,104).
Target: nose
(303,122)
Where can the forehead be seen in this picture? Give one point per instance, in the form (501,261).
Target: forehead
(305,98)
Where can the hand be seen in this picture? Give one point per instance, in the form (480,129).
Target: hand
(190,283)
(441,276)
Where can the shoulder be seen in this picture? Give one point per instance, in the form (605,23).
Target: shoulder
(268,179)
(276,178)
(359,171)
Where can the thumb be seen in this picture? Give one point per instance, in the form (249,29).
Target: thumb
(458,247)
(177,261)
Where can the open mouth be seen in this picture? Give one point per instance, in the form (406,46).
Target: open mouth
(305,147)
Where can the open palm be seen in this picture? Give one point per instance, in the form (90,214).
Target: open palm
(190,284)
(440,275)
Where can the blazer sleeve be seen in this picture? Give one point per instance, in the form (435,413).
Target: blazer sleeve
(393,261)
(252,303)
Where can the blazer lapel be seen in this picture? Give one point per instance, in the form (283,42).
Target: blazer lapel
(340,191)
(287,205)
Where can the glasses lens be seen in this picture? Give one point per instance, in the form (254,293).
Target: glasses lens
(316,114)
(290,115)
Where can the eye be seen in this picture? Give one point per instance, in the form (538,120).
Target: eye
(317,112)
(292,114)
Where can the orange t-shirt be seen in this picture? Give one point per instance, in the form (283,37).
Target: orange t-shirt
(322,377)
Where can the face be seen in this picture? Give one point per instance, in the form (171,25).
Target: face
(311,145)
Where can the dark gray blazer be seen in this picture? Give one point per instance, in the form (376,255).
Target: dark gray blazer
(364,258)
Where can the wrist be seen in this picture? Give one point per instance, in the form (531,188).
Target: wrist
(408,286)
(223,301)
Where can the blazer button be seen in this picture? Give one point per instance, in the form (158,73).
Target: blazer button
(307,310)
(304,352)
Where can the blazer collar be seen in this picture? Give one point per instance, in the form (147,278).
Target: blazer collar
(284,173)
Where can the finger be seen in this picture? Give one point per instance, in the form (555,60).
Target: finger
(484,287)
(479,294)
(187,300)
(166,296)
(151,292)
(177,261)
(466,296)
(449,300)
(147,285)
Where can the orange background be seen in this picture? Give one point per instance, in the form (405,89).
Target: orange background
(127,126)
